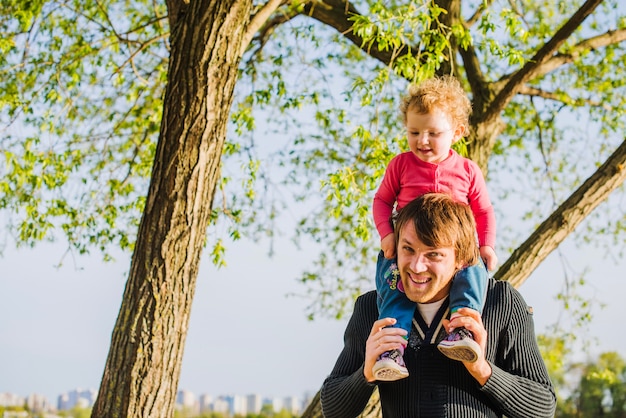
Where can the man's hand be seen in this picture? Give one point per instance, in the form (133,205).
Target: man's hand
(471,320)
(381,339)
(388,245)
(489,257)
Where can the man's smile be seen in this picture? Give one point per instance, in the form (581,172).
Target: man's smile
(418,279)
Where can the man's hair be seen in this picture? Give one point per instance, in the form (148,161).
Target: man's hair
(442,222)
(439,93)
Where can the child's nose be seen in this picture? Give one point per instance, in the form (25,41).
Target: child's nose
(423,138)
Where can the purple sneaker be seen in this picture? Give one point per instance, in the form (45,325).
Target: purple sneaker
(390,367)
(460,345)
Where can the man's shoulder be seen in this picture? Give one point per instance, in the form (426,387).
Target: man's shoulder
(501,292)
(365,304)
(500,286)
(367,298)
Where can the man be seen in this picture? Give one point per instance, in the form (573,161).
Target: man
(435,237)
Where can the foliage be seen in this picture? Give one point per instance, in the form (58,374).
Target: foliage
(81,105)
(314,123)
(537,161)
(599,388)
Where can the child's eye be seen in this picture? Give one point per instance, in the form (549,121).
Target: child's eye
(428,134)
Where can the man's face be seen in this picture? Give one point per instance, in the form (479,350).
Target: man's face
(426,272)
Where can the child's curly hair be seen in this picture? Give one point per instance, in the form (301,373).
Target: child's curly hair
(439,93)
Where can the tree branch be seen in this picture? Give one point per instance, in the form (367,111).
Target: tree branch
(473,71)
(532,66)
(258,19)
(335,13)
(565,219)
(548,95)
(608,38)
(478,13)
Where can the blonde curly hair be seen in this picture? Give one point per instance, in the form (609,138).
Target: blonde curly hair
(439,93)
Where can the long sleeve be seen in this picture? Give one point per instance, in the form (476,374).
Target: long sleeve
(385,199)
(481,206)
(520,383)
(345,392)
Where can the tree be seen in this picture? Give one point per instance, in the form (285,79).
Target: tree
(83,84)
(599,388)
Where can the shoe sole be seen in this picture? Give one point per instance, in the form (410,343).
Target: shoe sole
(462,351)
(388,371)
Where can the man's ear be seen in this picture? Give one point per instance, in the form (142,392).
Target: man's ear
(459,265)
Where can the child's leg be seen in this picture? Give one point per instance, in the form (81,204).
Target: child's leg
(469,289)
(392,303)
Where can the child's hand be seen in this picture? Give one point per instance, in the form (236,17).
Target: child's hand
(489,257)
(388,245)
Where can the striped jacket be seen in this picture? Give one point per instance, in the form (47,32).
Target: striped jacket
(437,386)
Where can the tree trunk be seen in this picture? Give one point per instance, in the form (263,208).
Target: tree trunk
(141,374)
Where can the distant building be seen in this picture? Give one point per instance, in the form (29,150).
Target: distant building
(186,400)
(221,405)
(38,403)
(76,398)
(229,405)
(205,403)
(10,399)
(236,404)
(292,404)
(275,404)
(253,404)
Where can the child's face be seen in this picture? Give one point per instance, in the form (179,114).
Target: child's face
(431,135)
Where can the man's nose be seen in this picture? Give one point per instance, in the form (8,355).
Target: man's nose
(419,263)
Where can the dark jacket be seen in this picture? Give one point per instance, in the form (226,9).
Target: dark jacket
(440,387)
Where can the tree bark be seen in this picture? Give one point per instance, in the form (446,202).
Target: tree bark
(141,374)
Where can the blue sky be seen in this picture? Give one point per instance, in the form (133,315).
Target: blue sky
(245,335)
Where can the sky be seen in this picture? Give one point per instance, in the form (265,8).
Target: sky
(245,336)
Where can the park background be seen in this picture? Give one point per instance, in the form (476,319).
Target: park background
(245,335)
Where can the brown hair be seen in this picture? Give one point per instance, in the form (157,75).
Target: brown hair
(439,93)
(442,222)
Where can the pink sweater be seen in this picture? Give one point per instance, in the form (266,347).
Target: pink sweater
(408,177)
